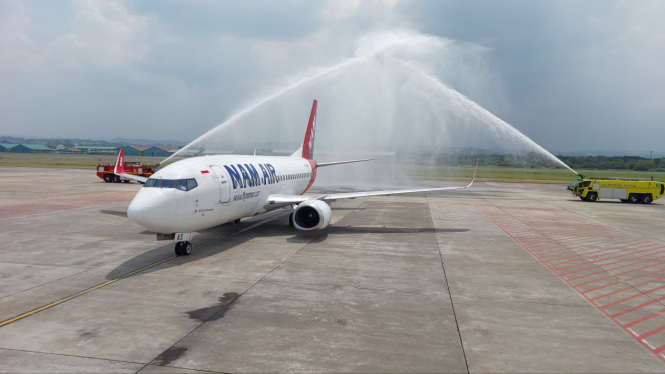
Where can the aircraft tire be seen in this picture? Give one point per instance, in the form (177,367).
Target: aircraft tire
(178,249)
(186,249)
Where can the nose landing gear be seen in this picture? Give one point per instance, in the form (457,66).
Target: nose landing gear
(183,248)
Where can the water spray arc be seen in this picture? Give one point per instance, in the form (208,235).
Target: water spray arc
(465,103)
(389,98)
(299,83)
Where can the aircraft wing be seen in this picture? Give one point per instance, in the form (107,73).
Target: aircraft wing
(275,201)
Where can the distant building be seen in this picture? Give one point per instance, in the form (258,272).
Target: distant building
(158,152)
(134,150)
(6,147)
(31,148)
(94,150)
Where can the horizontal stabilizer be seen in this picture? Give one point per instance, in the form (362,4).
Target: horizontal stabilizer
(322,164)
(119,169)
(137,178)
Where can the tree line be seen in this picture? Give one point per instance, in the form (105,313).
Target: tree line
(533,160)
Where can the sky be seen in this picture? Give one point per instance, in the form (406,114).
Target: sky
(572,76)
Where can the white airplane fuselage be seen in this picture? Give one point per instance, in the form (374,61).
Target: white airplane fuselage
(227,188)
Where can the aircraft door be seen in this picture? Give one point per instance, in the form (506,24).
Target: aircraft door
(224,184)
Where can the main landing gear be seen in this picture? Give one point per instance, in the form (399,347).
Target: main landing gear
(183,248)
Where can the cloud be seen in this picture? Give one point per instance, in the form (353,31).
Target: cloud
(571,75)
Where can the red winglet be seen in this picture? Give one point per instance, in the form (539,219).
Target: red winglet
(120,164)
(308,144)
(474,174)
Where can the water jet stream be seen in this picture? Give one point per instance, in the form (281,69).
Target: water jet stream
(291,87)
(465,103)
(387,101)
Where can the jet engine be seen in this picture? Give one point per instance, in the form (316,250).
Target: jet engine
(312,215)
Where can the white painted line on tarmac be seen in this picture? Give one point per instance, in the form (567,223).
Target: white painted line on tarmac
(647,343)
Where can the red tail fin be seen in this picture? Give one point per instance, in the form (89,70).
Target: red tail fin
(308,143)
(120,164)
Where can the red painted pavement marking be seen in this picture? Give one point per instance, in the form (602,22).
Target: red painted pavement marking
(596,251)
(645,318)
(641,293)
(543,230)
(597,263)
(611,258)
(637,307)
(616,275)
(651,333)
(623,281)
(627,288)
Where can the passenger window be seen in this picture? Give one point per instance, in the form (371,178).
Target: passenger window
(182,185)
(168,184)
(191,184)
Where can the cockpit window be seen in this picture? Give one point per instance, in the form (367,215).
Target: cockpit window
(181,184)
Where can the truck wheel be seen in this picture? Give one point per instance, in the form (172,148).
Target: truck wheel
(108,178)
(116,179)
(592,197)
(634,198)
(646,199)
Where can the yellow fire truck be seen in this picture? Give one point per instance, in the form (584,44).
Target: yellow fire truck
(627,190)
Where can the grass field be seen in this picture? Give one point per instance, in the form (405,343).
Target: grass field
(46,160)
(487,174)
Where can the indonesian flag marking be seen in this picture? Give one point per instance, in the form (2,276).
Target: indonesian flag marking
(204,172)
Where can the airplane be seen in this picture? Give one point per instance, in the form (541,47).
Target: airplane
(203,192)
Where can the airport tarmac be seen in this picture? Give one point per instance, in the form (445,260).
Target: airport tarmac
(500,278)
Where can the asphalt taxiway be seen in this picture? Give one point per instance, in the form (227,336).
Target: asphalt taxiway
(500,278)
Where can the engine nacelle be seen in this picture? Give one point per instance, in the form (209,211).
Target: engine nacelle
(312,215)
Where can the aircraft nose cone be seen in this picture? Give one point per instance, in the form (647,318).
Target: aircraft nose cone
(147,208)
